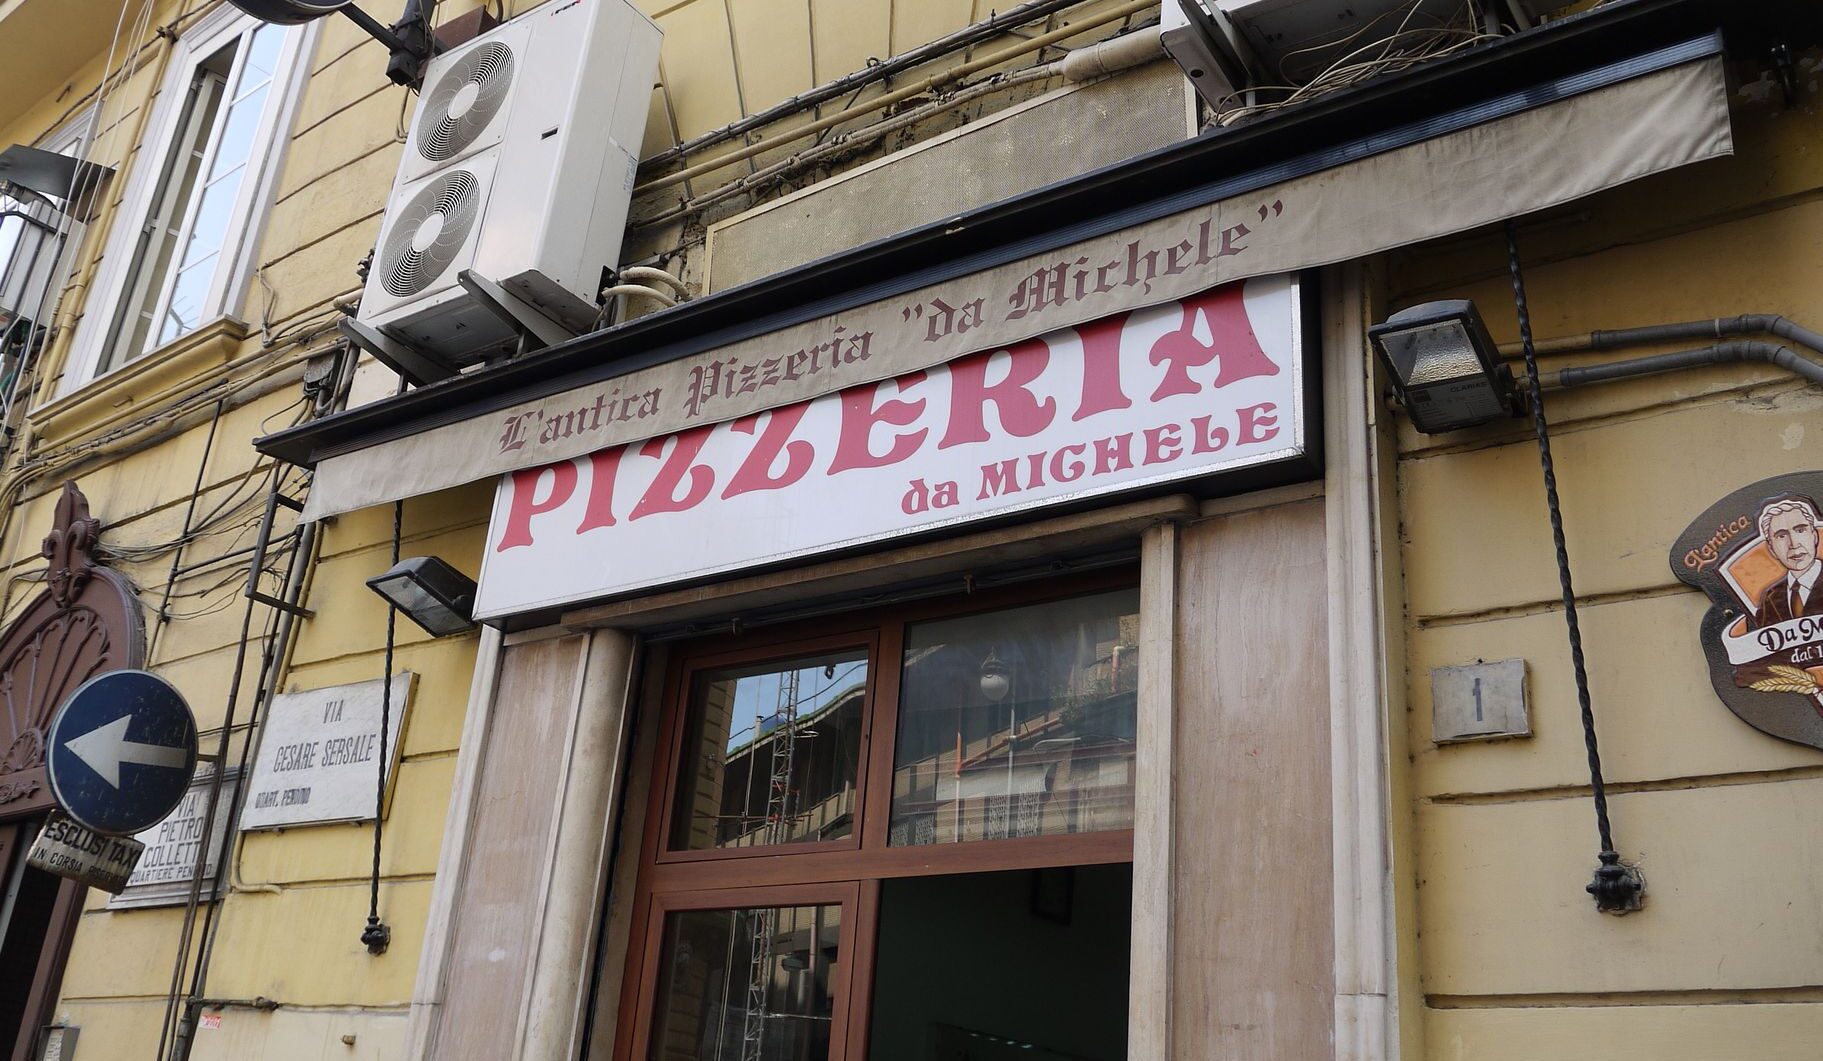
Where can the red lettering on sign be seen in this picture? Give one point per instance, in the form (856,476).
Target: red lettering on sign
(854,448)
(755,473)
(1114,453)
(1204,438)
(1257,422)
(678,465)
(604,468)
(997,479)
(1232,342)
(524,506)
(1021,413)
(1101,366)
(1067,464)
(1163,444)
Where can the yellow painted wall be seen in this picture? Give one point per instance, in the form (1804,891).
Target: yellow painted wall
(1511,959)
(1514,960)
(135,440)
(290,926)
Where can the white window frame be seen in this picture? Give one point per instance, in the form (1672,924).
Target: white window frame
(252,203)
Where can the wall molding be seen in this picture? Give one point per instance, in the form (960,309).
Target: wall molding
(1366,1012)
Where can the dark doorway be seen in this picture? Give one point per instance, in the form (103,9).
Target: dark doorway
(1028,964)
(28,898)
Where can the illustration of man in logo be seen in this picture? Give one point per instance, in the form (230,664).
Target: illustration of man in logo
(1755,555)
(1789,525)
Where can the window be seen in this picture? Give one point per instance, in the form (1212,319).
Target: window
(178,258)
(916,800)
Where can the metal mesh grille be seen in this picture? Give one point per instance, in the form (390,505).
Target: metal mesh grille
(464,100)
(429,232)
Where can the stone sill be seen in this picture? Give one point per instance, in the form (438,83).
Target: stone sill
(158,379)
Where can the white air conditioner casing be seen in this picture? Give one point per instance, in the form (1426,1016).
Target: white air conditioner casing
(1291,41)
(1199,40)
(519,167)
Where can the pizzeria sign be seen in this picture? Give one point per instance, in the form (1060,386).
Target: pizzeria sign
(1212,384)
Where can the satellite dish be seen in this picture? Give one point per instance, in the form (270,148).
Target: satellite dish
(289,12)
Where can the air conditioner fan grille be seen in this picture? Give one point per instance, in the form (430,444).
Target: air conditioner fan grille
(464,100)
(429,232)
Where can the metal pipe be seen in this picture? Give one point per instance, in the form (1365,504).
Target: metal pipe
(1043,40)
(962,38)
(853,138)
(644,272)
(276,662)
(1714,328)
(652,293)
(1721,353)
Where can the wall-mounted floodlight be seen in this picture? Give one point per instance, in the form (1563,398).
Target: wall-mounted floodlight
(433,594)
(1448,372)
(409,39)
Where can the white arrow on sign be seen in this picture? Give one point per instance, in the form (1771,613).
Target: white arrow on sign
(105,747)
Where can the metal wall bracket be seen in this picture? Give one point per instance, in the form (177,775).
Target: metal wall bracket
(515,311)
(419,367)
(273,501)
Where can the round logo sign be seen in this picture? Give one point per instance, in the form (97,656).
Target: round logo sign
(121,751)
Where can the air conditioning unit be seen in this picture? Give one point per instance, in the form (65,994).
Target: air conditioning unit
(1292,41)
(1225,46)
(518,170)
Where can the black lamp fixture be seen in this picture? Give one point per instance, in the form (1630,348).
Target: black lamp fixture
(431,593)
(1450,376)
(1448,372)
(409,39)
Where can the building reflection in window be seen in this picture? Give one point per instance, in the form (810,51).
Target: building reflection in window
(1018,723)
(747,985)
(772,752)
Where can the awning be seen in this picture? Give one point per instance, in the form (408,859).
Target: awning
(1506,156)
(997,780)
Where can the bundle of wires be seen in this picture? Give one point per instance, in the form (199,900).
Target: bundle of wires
(1418,38)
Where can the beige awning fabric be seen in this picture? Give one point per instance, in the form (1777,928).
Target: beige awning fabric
(1532,160)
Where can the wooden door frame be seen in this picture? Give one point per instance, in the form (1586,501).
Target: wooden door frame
(854,868)
(47,978)
(845,896)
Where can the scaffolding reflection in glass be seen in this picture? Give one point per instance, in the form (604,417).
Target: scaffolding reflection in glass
(1018,723)
(775,749)
(747,985)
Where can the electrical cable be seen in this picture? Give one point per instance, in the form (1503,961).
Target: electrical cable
(173,1029)
(180,1048)
(898,95)
(876,70)
(1436,42)
(278,642)
(1617,888)
(769,174)
(377,936)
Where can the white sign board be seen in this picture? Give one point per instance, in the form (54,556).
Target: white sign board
(1209,384)
(69,850)
(319,758)
(165,870)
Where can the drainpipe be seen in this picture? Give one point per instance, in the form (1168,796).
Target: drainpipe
(1721,353)
(1745,350)
(1715,328)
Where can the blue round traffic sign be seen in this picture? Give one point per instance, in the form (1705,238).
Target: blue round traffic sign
(121,751)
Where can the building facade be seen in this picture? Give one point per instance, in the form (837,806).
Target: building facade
(973,586)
